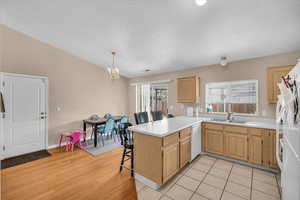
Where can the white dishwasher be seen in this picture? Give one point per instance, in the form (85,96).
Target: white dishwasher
(196,141)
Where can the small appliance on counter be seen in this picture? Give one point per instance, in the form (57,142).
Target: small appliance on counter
(288,134)
(190,111)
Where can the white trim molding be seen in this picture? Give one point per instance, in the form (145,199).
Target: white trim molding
(151,82)
(46,81)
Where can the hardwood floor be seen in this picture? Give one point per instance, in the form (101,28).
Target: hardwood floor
(69,176)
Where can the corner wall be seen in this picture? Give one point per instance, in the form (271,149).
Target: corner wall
(78,87)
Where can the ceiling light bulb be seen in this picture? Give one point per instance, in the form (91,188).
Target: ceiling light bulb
(200,2)
(223,61)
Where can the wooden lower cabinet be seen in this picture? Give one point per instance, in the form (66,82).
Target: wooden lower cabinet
(236,145)
(214,141)
(255,149)
(185,151)
(160,158)
(254,145)
(273,159)
(170,161)
(269,149)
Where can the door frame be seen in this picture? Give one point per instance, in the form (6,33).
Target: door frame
(46,81)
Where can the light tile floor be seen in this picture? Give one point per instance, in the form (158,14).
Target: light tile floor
(208,178)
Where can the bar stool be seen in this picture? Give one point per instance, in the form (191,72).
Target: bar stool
(141,117)
(157,115)
(127,142)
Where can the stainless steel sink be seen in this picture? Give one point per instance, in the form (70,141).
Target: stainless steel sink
(218,120)
(229,121)
(237,121)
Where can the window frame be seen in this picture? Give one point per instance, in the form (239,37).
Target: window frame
(152,86)
(235,81)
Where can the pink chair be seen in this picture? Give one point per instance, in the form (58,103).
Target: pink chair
(74,139)
(71,138)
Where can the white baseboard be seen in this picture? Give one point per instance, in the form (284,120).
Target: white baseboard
(146,181)
(53,146)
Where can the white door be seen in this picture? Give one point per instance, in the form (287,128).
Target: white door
(25,114)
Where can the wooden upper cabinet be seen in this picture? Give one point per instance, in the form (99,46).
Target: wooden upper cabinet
(188,89)
(274,77)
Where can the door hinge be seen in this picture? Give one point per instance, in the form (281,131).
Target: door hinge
(3,148)
(3,83)
(262,142)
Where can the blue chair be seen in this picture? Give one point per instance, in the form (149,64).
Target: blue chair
(109,130)
(123,121)
(108,116)
(121,125)
(100,128)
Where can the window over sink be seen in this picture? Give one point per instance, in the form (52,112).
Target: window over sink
(239,97)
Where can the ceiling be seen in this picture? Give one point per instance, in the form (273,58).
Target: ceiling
(160,35)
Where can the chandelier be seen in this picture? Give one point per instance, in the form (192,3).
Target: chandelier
(113,71)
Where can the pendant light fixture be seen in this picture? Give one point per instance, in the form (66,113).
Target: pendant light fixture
(113,71)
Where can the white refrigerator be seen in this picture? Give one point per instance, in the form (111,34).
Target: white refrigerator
(288,135)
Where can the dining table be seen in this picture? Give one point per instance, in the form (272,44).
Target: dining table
(95,123)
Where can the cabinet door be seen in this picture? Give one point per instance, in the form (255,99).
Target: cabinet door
(170,161)
(214,141)
(273,160)
(236,145)
(274,77)
(185,151)
(269,151)
(255,149)
(187,89)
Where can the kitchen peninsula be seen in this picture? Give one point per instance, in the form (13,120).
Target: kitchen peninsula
(163,147)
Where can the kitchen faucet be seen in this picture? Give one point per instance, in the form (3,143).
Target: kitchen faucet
(229,116)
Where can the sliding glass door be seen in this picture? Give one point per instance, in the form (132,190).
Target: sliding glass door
(152,97)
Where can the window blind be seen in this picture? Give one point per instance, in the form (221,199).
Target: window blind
(232,93)
(242,93)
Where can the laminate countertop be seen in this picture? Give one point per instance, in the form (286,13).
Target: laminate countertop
(166,127)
